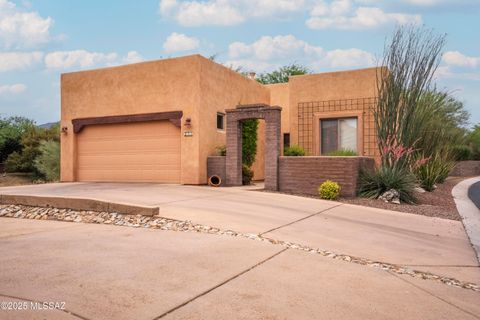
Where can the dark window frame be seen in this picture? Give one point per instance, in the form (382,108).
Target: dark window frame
(286,140)
(220,123)
(338,134)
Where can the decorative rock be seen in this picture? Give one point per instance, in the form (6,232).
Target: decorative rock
(391,195)
(419,190)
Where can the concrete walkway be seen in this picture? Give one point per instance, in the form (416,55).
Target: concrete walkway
(469,211)
(111,272)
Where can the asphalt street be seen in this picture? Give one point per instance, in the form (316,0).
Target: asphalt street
(474,194)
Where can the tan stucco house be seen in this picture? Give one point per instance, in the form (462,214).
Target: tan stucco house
(160,120)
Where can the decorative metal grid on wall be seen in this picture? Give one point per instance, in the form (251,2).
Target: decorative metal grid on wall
(306,110)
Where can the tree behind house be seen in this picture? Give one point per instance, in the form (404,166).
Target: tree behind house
(24,160)
(282,74)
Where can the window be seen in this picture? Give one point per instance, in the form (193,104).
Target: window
(286,140)
(220,121)
(337,134)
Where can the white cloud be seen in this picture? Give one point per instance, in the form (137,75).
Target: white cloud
(12,88)
(22,29)
(342,14)
(457,66)
(267,48)
(133,57)
(269,52)
(457,59)
(269,8)
(423,2)
(443,72)
(81,59)
(19,60)
(217,13)
(166,6)
(433,3)
(348,58)
(249,65)
(78,59)
(180,42)
(226,12)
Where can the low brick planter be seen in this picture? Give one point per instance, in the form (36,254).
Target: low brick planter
(216,166)
(303,175)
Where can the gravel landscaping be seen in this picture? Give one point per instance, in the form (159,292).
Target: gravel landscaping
(438,203)
(156,222)
(14,179)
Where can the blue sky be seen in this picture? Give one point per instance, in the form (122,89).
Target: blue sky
(41,39)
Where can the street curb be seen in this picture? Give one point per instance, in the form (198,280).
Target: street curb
(469,212)
(77,204)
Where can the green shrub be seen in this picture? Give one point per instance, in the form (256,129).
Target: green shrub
(23,161)
(14,163)
(428,176)
(473,139)
(329,190)
(341,153)
(222,150)
(445,168)
(434,171)
(462,152)
(11,131)
(247,175)
(249,141)
(294,151)
(48,162)
(249,148)
(374,184)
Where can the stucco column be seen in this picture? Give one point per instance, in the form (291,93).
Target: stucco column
(272,147)
(234,150)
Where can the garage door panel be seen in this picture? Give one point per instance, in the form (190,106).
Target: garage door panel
(113,149)
(128,161)
(131,175)
(148,151)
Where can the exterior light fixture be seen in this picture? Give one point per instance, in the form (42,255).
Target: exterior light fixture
(188,123)
(64,130)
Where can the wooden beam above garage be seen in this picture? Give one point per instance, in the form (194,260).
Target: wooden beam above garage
(173,116)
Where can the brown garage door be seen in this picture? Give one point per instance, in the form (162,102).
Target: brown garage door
(145,151)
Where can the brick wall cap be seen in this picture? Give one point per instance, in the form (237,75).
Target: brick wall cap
(253,107)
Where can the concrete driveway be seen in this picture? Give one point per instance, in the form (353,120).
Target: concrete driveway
(110,272)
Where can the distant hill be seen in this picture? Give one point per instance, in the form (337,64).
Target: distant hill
(47,125)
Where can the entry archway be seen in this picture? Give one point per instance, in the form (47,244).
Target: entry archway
(272,117)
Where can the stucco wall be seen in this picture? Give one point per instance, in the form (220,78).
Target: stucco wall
(279,96)
(158,86)
(221,88)
(354,84)
(258,166)
(193,84)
